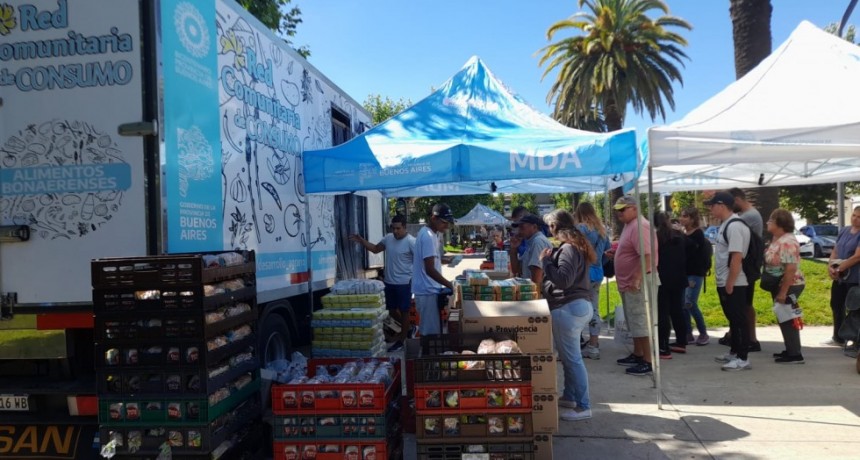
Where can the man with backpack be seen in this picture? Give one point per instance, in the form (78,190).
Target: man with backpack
(749,214)
(732,245)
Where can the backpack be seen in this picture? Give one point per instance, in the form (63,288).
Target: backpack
(707,256)
(754,260)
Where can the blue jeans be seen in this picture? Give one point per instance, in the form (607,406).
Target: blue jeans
(594,324)
(691,304)
(568,321)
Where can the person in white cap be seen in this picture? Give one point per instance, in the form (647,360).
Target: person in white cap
(628,278)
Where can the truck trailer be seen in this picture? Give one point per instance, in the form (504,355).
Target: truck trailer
(147,127)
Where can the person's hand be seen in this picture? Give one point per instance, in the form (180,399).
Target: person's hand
(610,254)
(780,298)
(730,288)
(355,238)
(547,252)
(692,284)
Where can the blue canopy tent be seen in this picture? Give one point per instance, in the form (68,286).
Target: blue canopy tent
(482,215)
(473,135)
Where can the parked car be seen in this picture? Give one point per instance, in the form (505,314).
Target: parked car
(711,233)
(807,248)
(823,238)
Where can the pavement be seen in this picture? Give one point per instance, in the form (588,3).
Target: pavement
(808,411)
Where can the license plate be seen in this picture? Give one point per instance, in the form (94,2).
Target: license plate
(14,403)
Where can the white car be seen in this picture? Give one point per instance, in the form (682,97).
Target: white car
(807,248)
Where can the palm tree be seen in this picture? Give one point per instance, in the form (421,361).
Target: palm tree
(752,40)
(620,56)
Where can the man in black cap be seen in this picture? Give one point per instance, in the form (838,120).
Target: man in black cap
(427,279)
(528,228)
(732,244)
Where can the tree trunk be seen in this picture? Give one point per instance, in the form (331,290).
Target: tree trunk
(752,39)
(614,121)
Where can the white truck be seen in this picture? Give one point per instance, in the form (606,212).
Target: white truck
(146,127)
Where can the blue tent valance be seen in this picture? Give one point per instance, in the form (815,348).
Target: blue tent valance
(473,135)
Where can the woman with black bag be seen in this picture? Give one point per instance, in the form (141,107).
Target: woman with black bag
(567,290)
(782,277)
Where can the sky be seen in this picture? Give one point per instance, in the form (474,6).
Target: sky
(406,48)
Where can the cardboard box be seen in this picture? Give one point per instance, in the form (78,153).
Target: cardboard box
(544,373)
(530,321)
(543,446)
(545,413)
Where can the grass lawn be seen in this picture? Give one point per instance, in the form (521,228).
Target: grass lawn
(815,300)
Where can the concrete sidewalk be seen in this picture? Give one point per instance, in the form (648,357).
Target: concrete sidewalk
(807,411)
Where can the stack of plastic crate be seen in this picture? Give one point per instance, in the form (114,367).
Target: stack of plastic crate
(349,325)
(472,403)
(336,420)
(175,361)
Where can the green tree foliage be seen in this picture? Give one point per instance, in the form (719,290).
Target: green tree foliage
(460,205)
(849,35)
(563,200)
(524,199)
(620,56)
(382,109)
(815,203)
(278,16)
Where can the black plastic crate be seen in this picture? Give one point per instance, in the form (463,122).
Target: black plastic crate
(176,354)
(473,368)
(141,300)
(184,381)
(494,450)
(132,327)
(434,345)
(176,270)
(184,440)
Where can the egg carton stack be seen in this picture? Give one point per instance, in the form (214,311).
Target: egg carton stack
(175,349)
(350,324)
(468,403)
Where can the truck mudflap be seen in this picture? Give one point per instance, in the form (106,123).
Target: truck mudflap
(53,441)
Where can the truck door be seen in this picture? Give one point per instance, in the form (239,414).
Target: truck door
(70,73)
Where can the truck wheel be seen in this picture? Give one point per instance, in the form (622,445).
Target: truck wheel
(275,342)
(818,252)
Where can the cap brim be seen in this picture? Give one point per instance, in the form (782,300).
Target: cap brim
(619,207)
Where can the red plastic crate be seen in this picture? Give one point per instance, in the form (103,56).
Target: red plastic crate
(335,398)
(336,449)
(496,397)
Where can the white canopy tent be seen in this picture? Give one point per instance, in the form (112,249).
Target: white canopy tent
(794,119)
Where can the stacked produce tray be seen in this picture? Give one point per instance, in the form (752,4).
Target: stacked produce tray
(471,403)
(175,352)
(350,325)
(337,420)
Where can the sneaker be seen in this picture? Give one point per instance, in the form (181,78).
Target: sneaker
(737,364)
(690,338)
(631,360)
(725,340)
(754,346)
(396,346)
(725,358)
(674,347)
(572,415)
(591,352)
(640,369)
(567,403)
(796,359)
(831,342)
(780,354)
(665,354)
(703,340)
